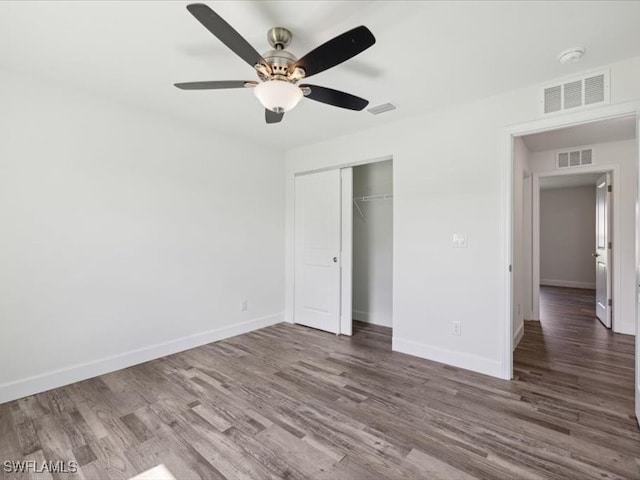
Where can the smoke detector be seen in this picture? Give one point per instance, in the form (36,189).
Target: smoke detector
(571,55)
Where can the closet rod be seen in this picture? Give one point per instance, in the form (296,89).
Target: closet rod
(369,198)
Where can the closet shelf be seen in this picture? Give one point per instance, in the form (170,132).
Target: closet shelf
(369,198)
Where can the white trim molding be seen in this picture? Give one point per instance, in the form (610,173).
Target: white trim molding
(518,336)
(463,360)
(550,282)
(83,371)
(346,250)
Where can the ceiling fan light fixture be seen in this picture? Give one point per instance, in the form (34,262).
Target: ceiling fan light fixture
(279,70)
(278,95)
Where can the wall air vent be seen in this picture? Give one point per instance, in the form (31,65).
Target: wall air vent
(383,107)
(574,158)
(575,93)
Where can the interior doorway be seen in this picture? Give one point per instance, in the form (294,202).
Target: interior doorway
(554,162)
(574,235)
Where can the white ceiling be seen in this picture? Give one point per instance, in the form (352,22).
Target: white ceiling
(613,130)
(428,54)
(569,181)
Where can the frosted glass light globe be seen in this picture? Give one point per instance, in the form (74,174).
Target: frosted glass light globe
(277,95)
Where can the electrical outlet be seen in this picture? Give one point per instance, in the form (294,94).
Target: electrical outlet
(456,327)
(245,305)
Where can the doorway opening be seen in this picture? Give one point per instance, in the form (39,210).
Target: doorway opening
(560,238)
(574,256)
(372,245)
(572,232)
(343,250)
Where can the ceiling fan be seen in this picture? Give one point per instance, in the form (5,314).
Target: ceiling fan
(279,70)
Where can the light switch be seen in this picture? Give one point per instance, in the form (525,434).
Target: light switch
(459,240)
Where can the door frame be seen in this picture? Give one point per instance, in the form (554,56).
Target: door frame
(615,228)
(346,260)
(637,297)
(506,238)
(346,251)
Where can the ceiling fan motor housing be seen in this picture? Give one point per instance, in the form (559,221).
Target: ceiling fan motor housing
(279,61)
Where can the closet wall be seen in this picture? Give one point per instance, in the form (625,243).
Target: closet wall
(373,243)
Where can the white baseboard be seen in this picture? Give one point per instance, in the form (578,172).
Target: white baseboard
(375,319)
(567,283)
(75,373)
(450,357)
(518,336)
(627,329)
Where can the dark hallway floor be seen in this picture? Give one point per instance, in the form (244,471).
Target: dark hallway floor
(583,373)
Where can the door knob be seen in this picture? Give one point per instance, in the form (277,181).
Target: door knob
(595,255)
(335,259)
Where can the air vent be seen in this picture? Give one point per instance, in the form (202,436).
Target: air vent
(553,99)
(383,107)
(586,157)
(572,94)
(575,93)
(594,89)
(563,160)
(574,158)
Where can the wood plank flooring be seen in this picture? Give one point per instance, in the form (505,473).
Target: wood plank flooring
(288,402)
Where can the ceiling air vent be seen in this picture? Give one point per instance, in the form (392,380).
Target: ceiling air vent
(572,94)
(574,158)
(553,99)
(383,107)
(594,89)
(575,93)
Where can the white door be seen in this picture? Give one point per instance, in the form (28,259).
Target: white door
(317,250)
(603,251)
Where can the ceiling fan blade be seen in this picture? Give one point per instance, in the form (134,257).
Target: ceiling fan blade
(272,117)
(215,85)
(335,51)
(225,33)
(335,97)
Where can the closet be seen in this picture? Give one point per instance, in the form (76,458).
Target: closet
(373,243)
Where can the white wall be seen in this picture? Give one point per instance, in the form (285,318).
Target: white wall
(125,236)
(567,237)
(625,155)
(519,260)
(448,178)
(373,245)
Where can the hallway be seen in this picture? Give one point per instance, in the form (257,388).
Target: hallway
(577,372)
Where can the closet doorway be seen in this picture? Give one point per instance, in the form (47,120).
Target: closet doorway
(372,244)
(343,247)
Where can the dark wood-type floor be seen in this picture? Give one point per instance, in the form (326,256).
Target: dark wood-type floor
(288,402)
